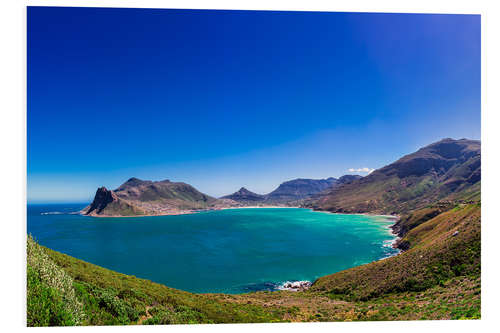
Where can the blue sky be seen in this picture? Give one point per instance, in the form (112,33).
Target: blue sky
(224,99)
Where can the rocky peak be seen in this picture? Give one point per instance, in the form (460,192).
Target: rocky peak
(134,181)
(102,198)
(244,195)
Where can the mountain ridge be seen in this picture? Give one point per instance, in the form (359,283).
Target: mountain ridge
(445,170)
(290,191)
(137,197)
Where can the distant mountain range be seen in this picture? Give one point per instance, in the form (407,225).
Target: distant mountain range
(447,170)
(138,197)
(297,189)
(290,191)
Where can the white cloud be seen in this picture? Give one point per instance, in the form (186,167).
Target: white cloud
(367,170)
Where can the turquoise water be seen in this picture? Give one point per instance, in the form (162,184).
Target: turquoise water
(231,251)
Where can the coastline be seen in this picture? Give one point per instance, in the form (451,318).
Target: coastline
(225,208)
(396,236)
(393,244)
(390,218)
(194,211)
(127,216)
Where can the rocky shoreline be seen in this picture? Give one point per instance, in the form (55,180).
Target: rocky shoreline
(295,285)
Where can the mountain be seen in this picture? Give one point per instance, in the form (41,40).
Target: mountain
(245,196)
(107,203)
(290,191)
(138,197)
(298,189)
(146,197)
(445,170)
(347,179)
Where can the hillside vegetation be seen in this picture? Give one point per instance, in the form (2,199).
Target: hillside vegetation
(447,170)
(444,247)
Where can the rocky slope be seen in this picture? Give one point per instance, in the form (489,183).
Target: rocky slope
(448,170)
(107,203)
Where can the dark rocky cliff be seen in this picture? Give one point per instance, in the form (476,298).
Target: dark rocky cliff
(103,197)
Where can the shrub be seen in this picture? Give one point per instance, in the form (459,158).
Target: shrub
(44,305)
(54,283)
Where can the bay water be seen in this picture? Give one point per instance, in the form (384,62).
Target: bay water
(229,251)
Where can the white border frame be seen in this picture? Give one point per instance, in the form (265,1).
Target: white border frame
(13,141)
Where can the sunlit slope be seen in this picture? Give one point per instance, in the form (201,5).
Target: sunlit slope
(445,170)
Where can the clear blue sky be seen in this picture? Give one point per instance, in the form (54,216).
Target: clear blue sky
(224,99)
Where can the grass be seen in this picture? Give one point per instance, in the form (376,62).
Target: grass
(438,277)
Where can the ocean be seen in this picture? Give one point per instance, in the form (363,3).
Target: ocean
(229,251)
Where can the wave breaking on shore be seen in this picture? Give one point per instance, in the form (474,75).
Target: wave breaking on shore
(59,213)
(292,285)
